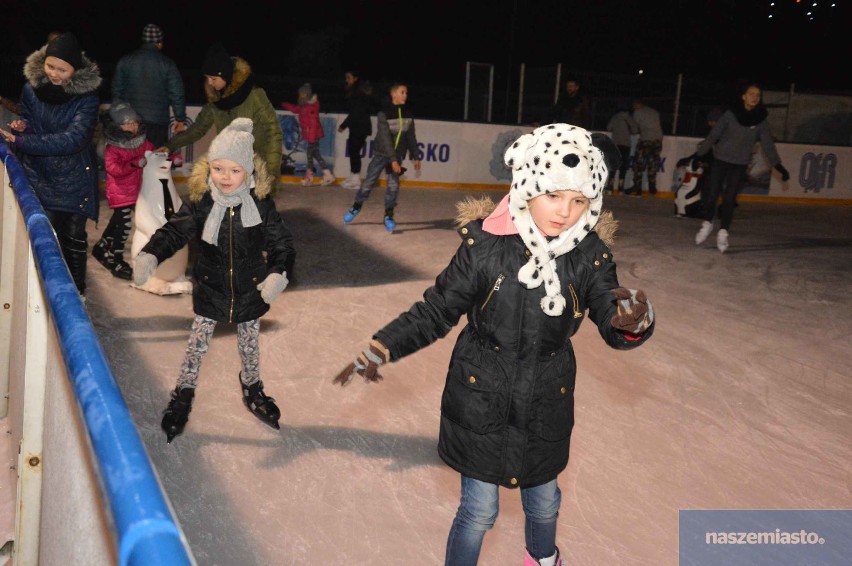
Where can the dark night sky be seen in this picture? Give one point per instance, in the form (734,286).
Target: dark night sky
(429,42)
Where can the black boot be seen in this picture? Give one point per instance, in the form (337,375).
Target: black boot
(103,253)
(76,254)
(176,414)
(121,268)
(258,403)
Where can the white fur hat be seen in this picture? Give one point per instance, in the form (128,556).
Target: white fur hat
(556,157)
(236,143)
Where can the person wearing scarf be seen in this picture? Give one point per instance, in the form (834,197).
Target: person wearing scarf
(231,93)
(54,141)
(528,272)
(732,140)
(240,268)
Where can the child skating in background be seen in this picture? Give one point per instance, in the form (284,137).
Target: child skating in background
(230,209)
(395,137)
(526,277)
(307,110)
(124,159)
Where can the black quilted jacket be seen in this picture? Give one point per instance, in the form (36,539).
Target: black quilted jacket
(507,409)
(226,276)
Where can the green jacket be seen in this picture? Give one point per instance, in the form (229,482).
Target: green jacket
(239,99)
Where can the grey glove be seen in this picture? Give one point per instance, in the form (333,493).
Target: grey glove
(635,313)
(272,286)
(143,267)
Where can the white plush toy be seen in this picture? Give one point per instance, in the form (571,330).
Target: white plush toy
(158,200)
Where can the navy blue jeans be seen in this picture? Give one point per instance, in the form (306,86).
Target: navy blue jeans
(478,511)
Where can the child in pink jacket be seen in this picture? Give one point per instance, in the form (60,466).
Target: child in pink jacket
(308,109)
(124,158)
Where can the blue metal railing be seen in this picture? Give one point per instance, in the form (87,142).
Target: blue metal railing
(146,532)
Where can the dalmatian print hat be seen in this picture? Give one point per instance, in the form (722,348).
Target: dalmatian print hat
(556,157)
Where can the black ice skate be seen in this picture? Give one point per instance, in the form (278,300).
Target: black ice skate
(258,403)
(177,413)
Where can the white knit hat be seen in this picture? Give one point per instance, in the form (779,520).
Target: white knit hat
(556,157)
(236,143)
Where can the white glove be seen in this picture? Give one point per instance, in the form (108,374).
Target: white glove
(272,286)
(143,267)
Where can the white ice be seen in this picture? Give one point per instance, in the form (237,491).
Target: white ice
(741,400)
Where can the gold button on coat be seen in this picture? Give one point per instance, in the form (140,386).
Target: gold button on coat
(513,481)
(471,379)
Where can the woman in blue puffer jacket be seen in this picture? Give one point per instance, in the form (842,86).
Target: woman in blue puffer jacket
(54,142)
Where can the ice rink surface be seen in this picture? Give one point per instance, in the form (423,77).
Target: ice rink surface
(741,400)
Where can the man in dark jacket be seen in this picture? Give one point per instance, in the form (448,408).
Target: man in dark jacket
(573,107)
(151,83)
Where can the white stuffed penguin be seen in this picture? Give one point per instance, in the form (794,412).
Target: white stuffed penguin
(158,200)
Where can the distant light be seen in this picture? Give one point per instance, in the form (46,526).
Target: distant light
(770,16)
(641,71)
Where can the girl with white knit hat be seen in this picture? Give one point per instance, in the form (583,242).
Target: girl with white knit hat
(526,275)
(240,269)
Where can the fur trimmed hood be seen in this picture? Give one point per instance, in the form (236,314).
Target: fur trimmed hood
(197,182)
(85,80)
(473,208)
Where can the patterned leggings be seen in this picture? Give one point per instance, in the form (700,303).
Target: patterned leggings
(647,158)
(199,343)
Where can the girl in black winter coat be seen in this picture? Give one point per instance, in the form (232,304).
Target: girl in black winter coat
(229,207)
(526,276)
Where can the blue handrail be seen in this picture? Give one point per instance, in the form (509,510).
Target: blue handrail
(146,532)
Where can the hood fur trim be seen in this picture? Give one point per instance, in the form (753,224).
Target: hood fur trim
(197,182)
(473,208)
(86,79)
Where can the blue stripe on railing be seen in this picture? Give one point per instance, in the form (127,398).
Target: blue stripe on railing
(146,531)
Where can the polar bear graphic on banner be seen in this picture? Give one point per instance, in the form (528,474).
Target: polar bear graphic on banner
(158,201)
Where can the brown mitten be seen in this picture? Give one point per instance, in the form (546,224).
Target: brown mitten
(635,313)
(366,365)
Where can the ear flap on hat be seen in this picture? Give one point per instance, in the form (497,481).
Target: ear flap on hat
(515,153)
(611,154)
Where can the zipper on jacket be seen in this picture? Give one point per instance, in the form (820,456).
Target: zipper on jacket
(231,260)
(496,287)
(577,313)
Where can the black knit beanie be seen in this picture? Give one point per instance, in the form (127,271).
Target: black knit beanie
(217,63)
(66,47)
